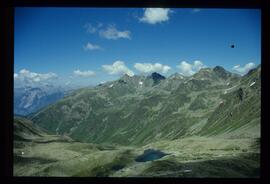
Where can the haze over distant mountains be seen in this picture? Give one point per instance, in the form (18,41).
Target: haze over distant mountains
(29,98)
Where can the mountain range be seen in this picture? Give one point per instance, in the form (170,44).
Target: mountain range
(140,109)
(30,98)
(207,125)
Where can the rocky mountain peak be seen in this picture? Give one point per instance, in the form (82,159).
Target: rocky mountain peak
(157,77)
(219,69)
(125,76)
(221,72)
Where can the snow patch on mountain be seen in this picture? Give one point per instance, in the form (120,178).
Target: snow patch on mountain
(252,84)
(228,89)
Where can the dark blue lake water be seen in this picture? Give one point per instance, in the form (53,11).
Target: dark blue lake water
(149,155)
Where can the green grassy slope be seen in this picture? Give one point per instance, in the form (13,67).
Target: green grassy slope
(240,111)
(41,154)
(125,112)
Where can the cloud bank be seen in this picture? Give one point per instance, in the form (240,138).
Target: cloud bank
(243,70)
(188,69)
(88,73)
(117,68)
(150,68)
(28,76)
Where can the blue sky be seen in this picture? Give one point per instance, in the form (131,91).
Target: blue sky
(90,45)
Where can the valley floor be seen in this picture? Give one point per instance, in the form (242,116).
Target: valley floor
(188,157)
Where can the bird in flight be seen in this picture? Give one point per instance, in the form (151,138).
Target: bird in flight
(232,46)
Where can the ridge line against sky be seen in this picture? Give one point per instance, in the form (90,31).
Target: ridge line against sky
(91,45)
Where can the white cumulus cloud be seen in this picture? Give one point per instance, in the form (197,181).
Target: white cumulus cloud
(90,46)
(117,68)
(155,15)
(26,75)
(243,70)
(150,68)
(80,73)
(112,33)
(197,65)
(188,69)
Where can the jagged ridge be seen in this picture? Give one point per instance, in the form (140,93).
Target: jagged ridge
(138,110)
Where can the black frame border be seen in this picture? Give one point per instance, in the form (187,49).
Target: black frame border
(7,70)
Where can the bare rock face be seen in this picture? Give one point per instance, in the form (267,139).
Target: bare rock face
(240,93)
(157,77)
(221,72)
